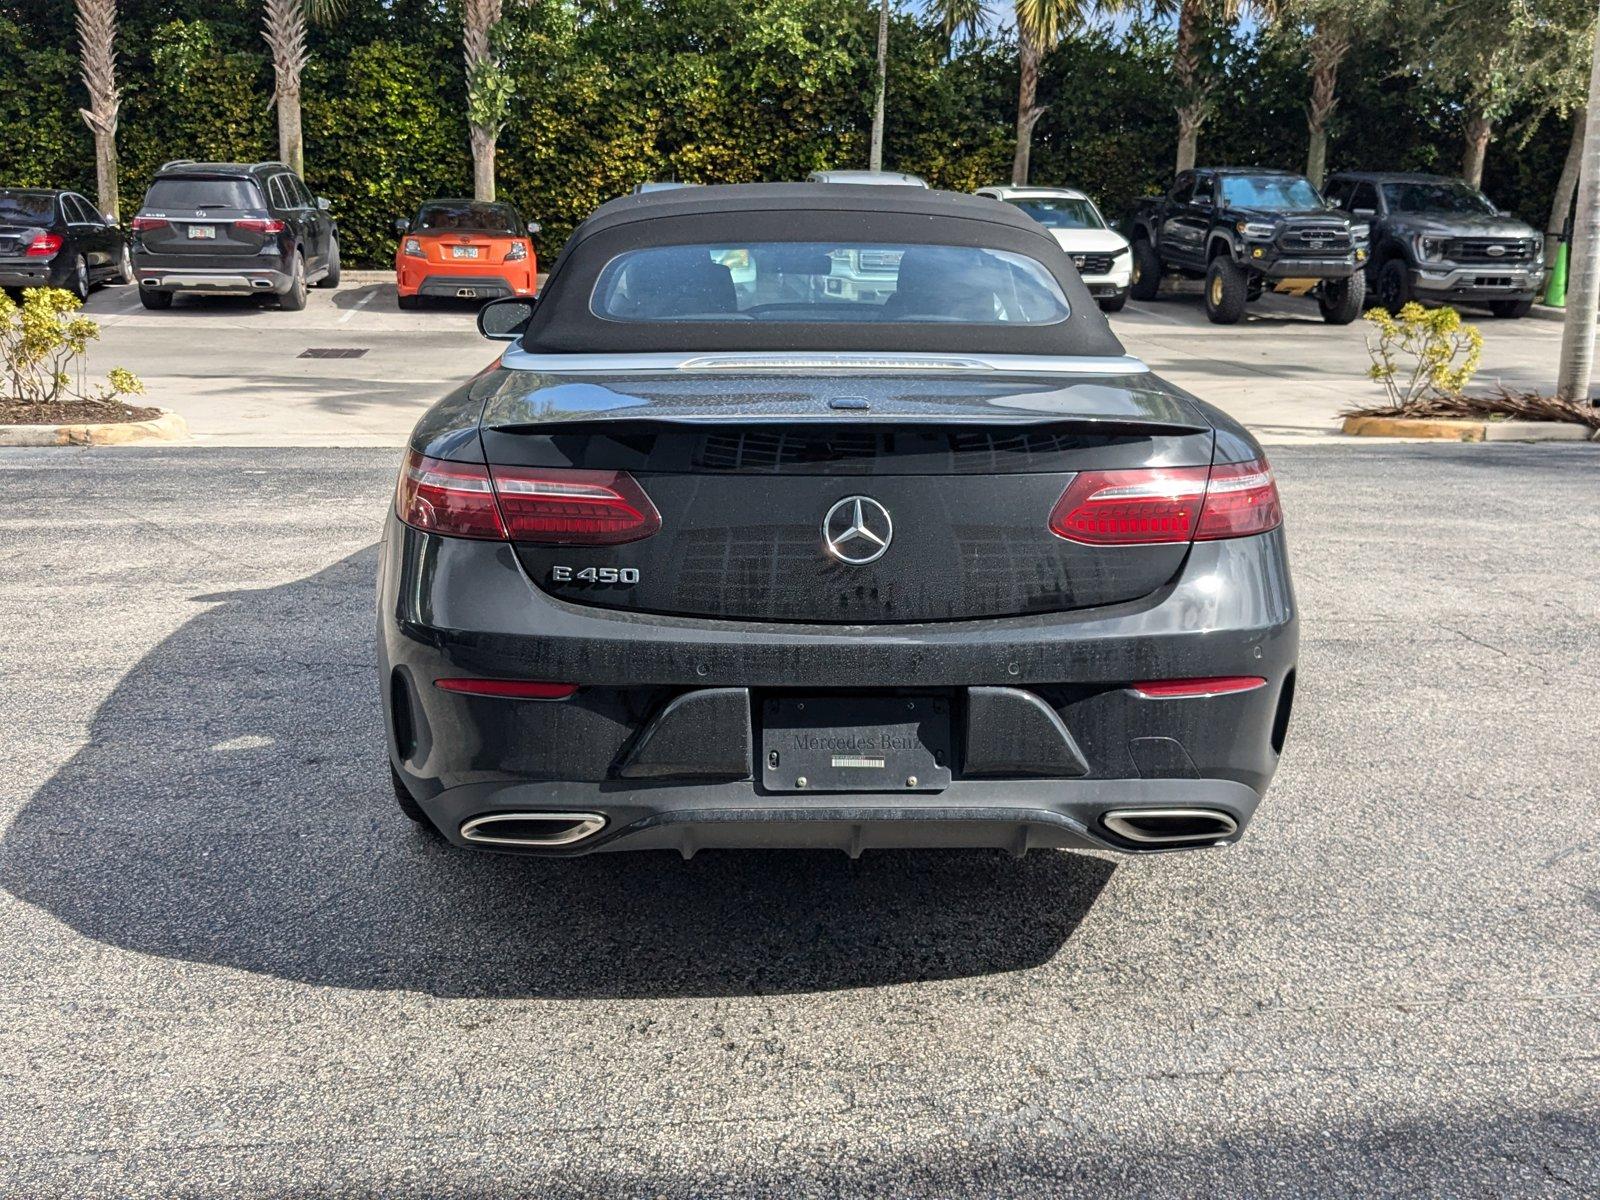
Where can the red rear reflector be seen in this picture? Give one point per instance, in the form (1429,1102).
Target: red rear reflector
(142,223)
(1178,689)
(516,689)
(449,498)
(1155,505)
(573,508)
(43,246)
(259,225)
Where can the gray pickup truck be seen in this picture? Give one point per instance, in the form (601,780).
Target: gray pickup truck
(1442,241)
(1245,230)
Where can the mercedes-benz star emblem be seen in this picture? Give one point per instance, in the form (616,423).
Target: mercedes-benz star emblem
(857,530)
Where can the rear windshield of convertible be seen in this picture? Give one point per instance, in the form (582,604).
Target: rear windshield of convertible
(828,282)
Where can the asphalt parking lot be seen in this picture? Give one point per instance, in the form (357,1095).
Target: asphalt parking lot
(235,370)
(227,965)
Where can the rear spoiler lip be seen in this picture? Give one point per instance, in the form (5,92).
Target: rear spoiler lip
(635,422)
(822,362)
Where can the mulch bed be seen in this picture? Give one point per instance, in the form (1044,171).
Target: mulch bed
(1502,405)
(73,412)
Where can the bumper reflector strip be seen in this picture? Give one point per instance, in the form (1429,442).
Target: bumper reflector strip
(514,689)
(1180,689)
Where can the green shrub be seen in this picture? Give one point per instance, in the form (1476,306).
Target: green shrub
(42,344)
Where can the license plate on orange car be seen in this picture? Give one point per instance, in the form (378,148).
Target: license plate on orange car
(463,252)
(202,231)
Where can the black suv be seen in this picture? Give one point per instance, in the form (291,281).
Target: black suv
(232,227)
(1243,230)
(1441,240)
(57,239)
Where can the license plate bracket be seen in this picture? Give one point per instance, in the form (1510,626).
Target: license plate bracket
(203,231)
(855,744)
(463,252)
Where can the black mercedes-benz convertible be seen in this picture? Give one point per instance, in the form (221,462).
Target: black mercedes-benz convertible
(812,515)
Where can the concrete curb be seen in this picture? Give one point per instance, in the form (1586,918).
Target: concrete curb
(1465,431)
(366,276)
(168,427)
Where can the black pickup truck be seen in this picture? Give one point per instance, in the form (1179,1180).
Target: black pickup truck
(1442,241)
(1245,230)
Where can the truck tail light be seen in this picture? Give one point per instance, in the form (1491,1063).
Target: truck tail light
(1151,506)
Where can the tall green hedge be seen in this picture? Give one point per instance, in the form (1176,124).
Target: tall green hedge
(614,93)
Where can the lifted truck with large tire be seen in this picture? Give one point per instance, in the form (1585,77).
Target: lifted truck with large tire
(1246,231)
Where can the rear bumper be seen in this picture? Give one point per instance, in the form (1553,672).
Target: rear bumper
(158,278)
(34,272)
(453,607)
(470,281)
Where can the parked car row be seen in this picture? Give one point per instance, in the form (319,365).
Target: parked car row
(52,238)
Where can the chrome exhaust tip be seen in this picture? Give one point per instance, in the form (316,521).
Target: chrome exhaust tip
(1170,826)
(263,284)
(466,293)
(531,828)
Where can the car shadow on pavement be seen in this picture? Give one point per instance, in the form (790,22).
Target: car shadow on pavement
(231,806)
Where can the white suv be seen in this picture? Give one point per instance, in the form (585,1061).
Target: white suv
(1102,255)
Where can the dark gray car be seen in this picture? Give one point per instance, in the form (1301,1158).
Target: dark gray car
(217,228)
(1442,241)
(718,556)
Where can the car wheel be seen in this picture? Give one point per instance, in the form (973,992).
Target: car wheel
(1114,303)
(1394,285)
(331,279)
(78,281)
(409,303)
(1146,280)
(1227,290)
(407,803)
(154,299)
(1342,300)
(125,265)
(295,298)
(1511,310)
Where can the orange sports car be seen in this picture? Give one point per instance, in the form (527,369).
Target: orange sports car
(465,249)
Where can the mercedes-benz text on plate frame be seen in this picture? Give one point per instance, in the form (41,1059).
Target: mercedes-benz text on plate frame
(857,530)
(773,528)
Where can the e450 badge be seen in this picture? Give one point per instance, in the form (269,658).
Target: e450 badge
(622,576)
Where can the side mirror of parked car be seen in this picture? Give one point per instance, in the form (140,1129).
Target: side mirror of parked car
(109,218)
(401,225)
(534,227)
(505,320)
(324,203)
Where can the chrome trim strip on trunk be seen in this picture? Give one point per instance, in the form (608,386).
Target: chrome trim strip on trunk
(516,359)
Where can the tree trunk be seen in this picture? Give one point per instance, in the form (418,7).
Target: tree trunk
(1583,269)
(1028,112)
(1191,87)
(283,27)
(1561,204)
(875,157)
(97,49)
(291,147)
(1478,130)
(1327,51)
(483,145)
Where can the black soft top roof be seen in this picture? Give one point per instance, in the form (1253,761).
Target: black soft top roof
(563,322)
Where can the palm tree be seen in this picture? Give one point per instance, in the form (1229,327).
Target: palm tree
(875,156)
(1583,291)
(284,28)
(1195,83)
(1331,28)
(489,88)
(1041,24)
(97,52)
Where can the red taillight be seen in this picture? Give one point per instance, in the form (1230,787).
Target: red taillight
(450,498)
(1153,505)
(43,246)
(552,506)
(1180,689)
(514,689)
(259,225)
(1241,499)
(573,508)
(142,224)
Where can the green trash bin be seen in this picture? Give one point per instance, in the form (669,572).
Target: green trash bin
(1555,291)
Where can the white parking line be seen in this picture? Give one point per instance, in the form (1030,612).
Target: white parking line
(360,304)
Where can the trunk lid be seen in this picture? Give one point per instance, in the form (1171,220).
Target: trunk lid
(752,471)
